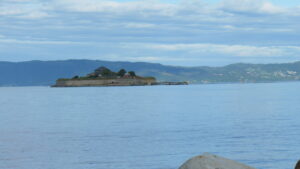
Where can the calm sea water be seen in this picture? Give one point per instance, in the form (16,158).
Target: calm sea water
(155,127)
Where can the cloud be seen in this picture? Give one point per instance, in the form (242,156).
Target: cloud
(3,39)
(150,30)
(186,10)
(26,9)
(229,50)
(251,6)
(104,6)
(195,8)
(139,25)
(143,58)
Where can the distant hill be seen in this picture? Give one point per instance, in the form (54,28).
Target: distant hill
(34,73)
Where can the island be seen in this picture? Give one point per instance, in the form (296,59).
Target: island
(103,76)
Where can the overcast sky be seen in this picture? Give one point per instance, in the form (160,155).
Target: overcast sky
(173,32)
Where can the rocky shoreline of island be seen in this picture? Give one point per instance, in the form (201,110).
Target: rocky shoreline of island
(103,76)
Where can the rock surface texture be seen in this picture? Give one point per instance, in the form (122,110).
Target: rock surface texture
(297,165)
(209,161)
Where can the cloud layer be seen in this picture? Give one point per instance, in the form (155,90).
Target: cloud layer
(190,32)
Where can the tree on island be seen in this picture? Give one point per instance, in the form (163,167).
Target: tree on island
(75,77)
(121,72)
(105,72)
(132,73)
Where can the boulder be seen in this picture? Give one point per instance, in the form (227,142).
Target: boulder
(297,165)
(210,161)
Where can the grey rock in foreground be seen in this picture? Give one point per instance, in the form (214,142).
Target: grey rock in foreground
(297,165)
(209,161)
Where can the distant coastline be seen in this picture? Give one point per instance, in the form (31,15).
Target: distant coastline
(45,73)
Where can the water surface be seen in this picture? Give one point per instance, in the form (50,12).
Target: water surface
(151,127)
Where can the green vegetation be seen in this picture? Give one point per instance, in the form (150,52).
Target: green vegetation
(121,72)
(132,73)
(75,77)
(105,73)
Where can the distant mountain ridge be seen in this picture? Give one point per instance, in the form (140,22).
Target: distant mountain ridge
(44,73)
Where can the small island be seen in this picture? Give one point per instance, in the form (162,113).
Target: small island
(105,77)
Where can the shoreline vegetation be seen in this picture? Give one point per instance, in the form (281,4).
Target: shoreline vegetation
(103,76)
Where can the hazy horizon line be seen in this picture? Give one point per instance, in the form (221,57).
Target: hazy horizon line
(58,60)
